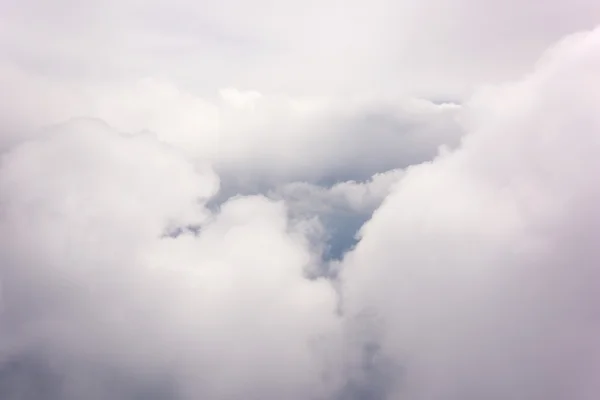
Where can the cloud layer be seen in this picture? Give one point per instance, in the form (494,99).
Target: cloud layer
(429,48)
(481,264)
(164,238)
(92,280)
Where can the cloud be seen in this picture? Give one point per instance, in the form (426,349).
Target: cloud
(340,209)
(254,141)
(481,265)
(181,187)
(357,197)
(93,290)
(429,48)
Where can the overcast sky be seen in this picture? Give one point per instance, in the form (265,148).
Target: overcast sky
(439,48)
(299,200)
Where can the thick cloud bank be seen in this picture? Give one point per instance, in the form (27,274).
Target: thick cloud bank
(94,287)
(254,141)
(482,266)
(135,265)
(296,47)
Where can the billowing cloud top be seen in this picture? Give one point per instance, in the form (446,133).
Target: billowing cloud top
(232,201)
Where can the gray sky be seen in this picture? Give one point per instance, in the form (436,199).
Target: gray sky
(432,47)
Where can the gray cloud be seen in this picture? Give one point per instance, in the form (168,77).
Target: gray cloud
(342,208)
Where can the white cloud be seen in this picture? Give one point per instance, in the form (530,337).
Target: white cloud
(482,264)
(252,140)
(127,267)
(89,280)
(432,47)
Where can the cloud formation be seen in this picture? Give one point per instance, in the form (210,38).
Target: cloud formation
(482,265)
(236,206)
(295,47)
(254,141)
(340,209)
(93,285)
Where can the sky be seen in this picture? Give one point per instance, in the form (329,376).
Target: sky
(300,200)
